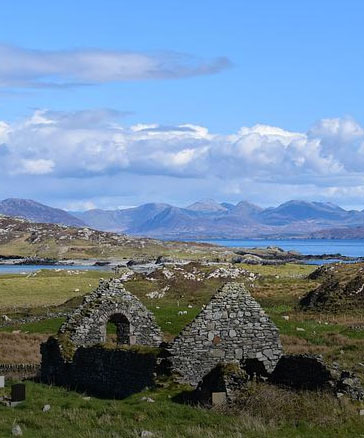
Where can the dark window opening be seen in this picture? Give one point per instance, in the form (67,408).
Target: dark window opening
(118,330)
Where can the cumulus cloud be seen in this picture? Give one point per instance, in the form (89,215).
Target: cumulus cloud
(275,154)
(39,68)
(87,145)
(343,129)
(342,138)
(35,167)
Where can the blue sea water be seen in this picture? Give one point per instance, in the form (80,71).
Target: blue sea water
(26,269)
(350,248)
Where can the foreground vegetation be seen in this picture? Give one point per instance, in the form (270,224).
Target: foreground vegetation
(265,411)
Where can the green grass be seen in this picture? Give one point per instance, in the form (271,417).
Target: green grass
(167,318)
(45,326)
(313,332)
(73,416)
(46,288)
(170,321)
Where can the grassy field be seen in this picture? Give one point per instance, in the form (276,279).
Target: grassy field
(265,411)
(46,288)
(268,412)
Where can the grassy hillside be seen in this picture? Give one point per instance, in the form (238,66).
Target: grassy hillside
(19,237)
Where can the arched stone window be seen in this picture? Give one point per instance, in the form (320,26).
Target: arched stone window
(123,329)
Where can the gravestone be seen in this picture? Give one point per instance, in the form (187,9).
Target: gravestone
(17,392)
(2,381)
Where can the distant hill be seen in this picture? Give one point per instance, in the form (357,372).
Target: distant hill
(22,238)
(120,220)
(354,233)
(208,206)
(205,219)
(36,212)
(322,212)
(246,209)
(210,219)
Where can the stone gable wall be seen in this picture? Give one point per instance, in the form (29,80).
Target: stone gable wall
(86,326)
(232,327)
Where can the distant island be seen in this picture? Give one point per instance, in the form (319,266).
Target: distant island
(206,219)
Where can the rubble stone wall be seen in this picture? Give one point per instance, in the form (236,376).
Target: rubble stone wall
(19,370)
(232,327)
(86,326)
(100,371)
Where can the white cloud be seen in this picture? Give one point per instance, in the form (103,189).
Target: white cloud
(35,167)
(80,205)
(38,68)
(343,129)
(343,139)
(86,145)
(4,129)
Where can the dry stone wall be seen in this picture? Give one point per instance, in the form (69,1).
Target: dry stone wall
(100,371)
(86,326)
(231,328)
(19,370)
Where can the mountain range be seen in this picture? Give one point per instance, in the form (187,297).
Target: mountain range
(204,219)
(36,212)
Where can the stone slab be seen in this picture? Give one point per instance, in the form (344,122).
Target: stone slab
(218,398)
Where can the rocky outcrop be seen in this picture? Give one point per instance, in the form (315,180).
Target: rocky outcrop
(341,288)
(232,327)
(336,295)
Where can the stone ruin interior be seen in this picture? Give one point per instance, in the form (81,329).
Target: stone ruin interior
(230,342)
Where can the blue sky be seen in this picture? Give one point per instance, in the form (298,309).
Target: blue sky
(172,101)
